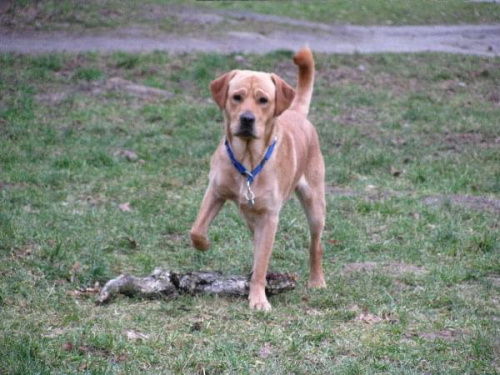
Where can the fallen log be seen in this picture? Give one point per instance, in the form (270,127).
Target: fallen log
(166,284)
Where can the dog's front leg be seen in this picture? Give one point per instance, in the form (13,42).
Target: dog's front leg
(210,207)
(264,233)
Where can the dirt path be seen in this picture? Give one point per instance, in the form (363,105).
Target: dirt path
(280,33)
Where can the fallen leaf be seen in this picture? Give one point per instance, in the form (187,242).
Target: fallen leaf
(398,141)
(55,332)
(127,154)
(395,172)
(125,207)
(196,327)
(132,242)
(67,346)
(130,155)
(135,336)
(121,358)
(379,229)
(369,318)
(313,312)
(390,318)
(265,350)
(82,292)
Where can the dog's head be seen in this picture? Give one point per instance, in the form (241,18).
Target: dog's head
(251,101)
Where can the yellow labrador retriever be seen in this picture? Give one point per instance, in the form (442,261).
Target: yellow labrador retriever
(269,150)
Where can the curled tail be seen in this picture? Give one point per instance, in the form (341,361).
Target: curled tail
(305,61)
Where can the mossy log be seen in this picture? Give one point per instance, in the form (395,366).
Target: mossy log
(167,284)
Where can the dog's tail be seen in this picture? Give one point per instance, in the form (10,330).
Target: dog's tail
(305,61)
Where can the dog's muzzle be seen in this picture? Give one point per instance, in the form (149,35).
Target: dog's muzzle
(247,123)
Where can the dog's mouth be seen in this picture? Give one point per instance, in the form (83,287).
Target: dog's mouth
(245,134)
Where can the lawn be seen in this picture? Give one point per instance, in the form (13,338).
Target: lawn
(188,15)
(97,181)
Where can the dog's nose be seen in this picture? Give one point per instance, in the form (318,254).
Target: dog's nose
(247,119)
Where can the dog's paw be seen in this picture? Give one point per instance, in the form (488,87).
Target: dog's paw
(258,301)
(261,305)
(200,242)
(316,283)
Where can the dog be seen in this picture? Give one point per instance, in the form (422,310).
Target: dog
(269,151)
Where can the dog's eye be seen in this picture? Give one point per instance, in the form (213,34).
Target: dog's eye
(263,101)
(237,98)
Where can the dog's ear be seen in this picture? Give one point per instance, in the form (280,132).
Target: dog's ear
(284,95)
(219,87)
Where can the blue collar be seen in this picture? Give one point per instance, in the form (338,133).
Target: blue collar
(245,172)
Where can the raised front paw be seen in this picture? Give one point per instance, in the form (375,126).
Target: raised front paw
(200,242)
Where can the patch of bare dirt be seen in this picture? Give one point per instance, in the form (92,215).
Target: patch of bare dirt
(197,16)
(495,280)
(445,335)
(473,202)
(370,193)
(26,251)
(398,269)
(334,76)
(478,203)
(448,335)
(370,319)
(345,74)
(358,116)
(399,86)
(115,84)
(9,185)
(391,268)
(360,267)
(343,192)
(471,138)
(176,237)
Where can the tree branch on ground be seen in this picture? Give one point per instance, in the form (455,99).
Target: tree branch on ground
(167,284)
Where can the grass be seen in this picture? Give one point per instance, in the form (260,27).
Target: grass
(162,15)
(369,12)
(395,129)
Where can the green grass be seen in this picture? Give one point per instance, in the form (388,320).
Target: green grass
(433,118)
(163,15)
(371,12)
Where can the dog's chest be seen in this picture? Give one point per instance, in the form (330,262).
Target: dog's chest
(257,198)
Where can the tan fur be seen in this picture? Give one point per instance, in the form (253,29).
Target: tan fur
(295,166)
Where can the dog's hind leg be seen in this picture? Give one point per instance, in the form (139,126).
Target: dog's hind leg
(210,207)
(312,198)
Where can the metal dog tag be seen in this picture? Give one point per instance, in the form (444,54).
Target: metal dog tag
(249,195)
